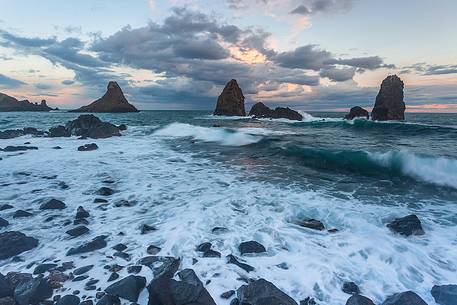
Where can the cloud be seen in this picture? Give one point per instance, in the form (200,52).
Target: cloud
(311,7)
(369,63)
(426,69)
(8,82)
(301,10)
(68,82)
(42,86)
(338,75)
(305,57)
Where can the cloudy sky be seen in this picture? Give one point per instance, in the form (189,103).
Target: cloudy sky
(178,54)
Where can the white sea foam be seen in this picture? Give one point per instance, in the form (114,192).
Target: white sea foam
(184,197)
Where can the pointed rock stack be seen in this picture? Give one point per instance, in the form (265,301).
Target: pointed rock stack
(113,101)
(231,101)
(389,103)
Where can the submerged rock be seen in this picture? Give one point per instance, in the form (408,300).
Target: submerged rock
(445,294)
(231,101)
(252,246)
(259,110)
(18,148)
(358,299)
(233,260)
(95,244)
(68,299)
(59,131)
(88,147)
(262,292)
(112,101)
(22,214)
(90,126)
(311,224)
(408,225)
(404,298)
(128,288)
(53,204)
(109,300)
(13,243)
(389,103)
(350,288)
(357,112)
(78,231)
(3,223)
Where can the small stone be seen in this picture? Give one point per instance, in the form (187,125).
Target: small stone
(3,223)
(88,147)
(78,231)
(105,191)
(409,225)
(211,253)
(312,224)
(114,276)
(21,214)
(122,255)
(53,204)
(228,294)
(120,247)
(5,207)
(42,268)
(81,213)
(80,278)
(82,270)
(233,260)
(358,299)
(68,299)
(404,298)
(252,246)
(153,250)
(128,288)
(100,200)
(204,247)
(147,228)
(350,288)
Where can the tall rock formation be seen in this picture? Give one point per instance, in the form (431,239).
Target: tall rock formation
(9,103)
(231,101)
(113,101)
(389,103)
(259,110)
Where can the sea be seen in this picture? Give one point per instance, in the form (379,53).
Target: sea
(188,172)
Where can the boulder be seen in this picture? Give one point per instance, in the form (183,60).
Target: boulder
(128,288)
(262,292)
(90,126)
(88,147)
(350,288)
(231,101)
(311,224)
(53,204)
(13,243)
(408,225)
(203,247)
(109,300)
(357,112)
(32,292)
(9,103)
(189,290)
(252,246)
(389,103)
(82,270)
(6,289)
(259,110)
(78,231)
(42,268)
(358,299)
(81,213)
(161,266)
(404,298)
(18,148)
(22,214)
(3,223)
(445,294)
(68,299)
(233,260)
(95,244)
(112,101)
(58,131)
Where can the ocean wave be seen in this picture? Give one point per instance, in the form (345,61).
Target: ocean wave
(216,134)
(429,169)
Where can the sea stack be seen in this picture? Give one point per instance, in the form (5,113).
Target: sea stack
(389,103)
(113,101)
(231,101)
(260,110)
(9,103)
(357,112)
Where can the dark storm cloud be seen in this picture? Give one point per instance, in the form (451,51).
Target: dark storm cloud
(318,6)
(425,69)
(338,75)
(369,63)
(8,82)
(301,10)
(305,57)
(11,39)
(68,82)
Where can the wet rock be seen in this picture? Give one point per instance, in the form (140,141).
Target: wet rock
(119,247)
(122,255)
(59,131)
(134,269)
(7,301)
(189,290)
(231,101)
(83,270)
(128,288)
(21,214)
(203,247)
(42,268)
(81,221)
(5,206)
(211,253)
(147,228)
(89,126)
(113,276)
(78,231)
(311,224)
(350,288)
(404,298)
(81,213)
(68,299)
(219,230)
(19,148)
(3,223)
(259,110)
(235,301)
(80,278)
(161,266)
(252,246)
(228,294)
(32,291)
(109,300)
(88,147)
(358,299)
(308,301)
(153,250)
(53,204)
(15,278)
(56,278)
(57,147)
(445,294)
(389,103)
(87,302)
(6,289)
(409,225)
(122,127)
(262,292)
(95,244)
(357,112)
(233,260)
(105,191)
(11,133)
(13,243)
(100,200)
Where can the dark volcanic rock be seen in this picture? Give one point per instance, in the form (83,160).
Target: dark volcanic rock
(251,247)
(262,292)
(203,247)
(81,213)
(6,288)
(105,191)
(404,298)
(42,268)
(19,148)
(78,231)
(82,270)
(122,127)
(6,207)
(350,288)
(189,290)
(445,294)
(3,223)
(233,260)
(21,214)
(95,244)
(13,243)
(9,103)
(358,299)
(357,112)
(147,228)
(119,247)
(128,288)
(161,266)
(153,250)
(89,126)
(113,101)
(109,300)
(32,292)
(259,110)
(134,269)
(211,253)
(228,294)
(311,224)
(68,299)
(231,101)
(53,204)
(408,225)
(389,103)
(59,131)
(88,147)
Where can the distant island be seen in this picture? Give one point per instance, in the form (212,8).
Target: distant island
(10,104)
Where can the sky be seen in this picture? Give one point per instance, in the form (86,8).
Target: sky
(314,55)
